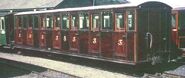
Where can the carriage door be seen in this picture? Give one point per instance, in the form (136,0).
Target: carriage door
(131,35)
(65,32)
(56,32)
(120,45)
(94,38)
(25,29)
(30,32)
(174,25)
(154,30)
(2,31)
(36,30)
(74,35)
(49,28)
(18,31)
(84,32)
(181,29)
(107,35)
(42,32)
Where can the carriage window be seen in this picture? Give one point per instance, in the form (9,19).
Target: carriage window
(57,21)
(84,21)
(65,22)
(49,22)
(107,22)
(181,20)
(25,21)
(30,23)
(130,20)
(2,23)
(119,21)
(96,22)
(173,21)
(42,21)
(35,21)
(73,22)
(19,21)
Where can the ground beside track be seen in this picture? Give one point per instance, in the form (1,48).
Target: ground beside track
(14,69)
(77,70)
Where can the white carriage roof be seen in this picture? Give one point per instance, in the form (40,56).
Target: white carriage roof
(130,4)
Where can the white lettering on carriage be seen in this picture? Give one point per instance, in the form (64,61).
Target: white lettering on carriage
(56,38)
(120,42)
(65,39)
(74,39)
(94,40)
(19,35)
(30,36)
(42,36)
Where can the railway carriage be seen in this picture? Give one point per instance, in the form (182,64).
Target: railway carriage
(128,33)
(2,31)
(178,36)
(6,29)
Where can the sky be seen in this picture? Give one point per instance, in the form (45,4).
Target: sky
(172,3)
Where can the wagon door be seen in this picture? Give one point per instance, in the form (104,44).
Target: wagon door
(24,29)
(21,30)
(84,32)
(56,32)
(120,45)
(74,35)
(65,32)
(153,31)
(181,29)
(42,32)
(18,31)
(94,38)
(106,34)
(175,30)
(29,36)
(36,30)
(49,28)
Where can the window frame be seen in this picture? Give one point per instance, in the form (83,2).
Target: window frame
(74,21)
(57,21)
(121,25)
(35,23)
(2,23)
(19,20)
(130,12)
(49,21)
(173,21)
(97,28)
(25,22)
(111,25)
(30,21)
(181,23)
(67,22)
(86,21)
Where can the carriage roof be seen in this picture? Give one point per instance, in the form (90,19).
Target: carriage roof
(131,3)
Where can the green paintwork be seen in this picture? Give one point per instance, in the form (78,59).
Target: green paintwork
(2,39)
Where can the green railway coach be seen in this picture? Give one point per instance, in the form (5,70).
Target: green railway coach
(2,31)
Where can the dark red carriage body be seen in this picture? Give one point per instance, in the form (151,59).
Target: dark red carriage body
(123,33)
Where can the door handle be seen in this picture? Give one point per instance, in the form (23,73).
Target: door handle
(149,36)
